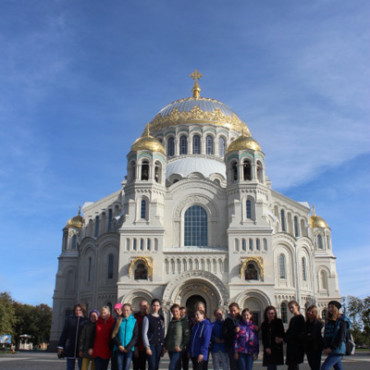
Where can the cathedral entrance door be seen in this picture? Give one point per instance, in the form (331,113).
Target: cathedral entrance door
(192,301)
(256,308)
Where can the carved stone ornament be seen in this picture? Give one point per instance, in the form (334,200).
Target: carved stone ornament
(148,263)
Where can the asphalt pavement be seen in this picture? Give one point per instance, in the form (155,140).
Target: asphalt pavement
(49,361)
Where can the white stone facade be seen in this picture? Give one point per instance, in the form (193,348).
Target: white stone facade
(252,244)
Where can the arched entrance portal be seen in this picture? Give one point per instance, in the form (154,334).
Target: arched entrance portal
(192,301)
(256,309)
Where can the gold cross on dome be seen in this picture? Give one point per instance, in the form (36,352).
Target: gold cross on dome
(196,89)
(196,75)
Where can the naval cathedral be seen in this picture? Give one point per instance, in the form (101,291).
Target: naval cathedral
(195,219)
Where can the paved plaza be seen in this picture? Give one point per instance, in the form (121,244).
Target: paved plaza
(46,361)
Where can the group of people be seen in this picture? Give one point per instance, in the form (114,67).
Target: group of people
(233,342)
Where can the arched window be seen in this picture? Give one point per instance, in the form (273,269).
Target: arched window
(196,227)
(110,266)
(251,272)
(249,209)
(304,269)
(282,266)
(258,244)
(247,170)
(324,279)
(259,171)
(265,244)
(196,144)
(145,170)
(221,146)
(284,312)
(282,217)
(171,147)
(158,172)
(74,241)
(296,228)
(183,144)
(89,266)
(141,244)
(250,244)
(110,219)
(244,244)
(141,271)
(234,171)
(209,144)
(134,244)
(319,242)
(131,171)
(143,209)
(148,244)
(96,234)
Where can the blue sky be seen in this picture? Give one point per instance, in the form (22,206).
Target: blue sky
(80,79)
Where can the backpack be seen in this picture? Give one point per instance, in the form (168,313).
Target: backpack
(349,342)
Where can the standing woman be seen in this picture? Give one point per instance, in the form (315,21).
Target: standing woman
(334,337)
(153,334)
(101,351)
(68,341)
(313,339)
(294,337)
(246,342)
(272,339)
(200,340)
(124,336)
(87,341)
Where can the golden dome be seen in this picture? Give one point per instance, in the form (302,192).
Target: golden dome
(243,142)
(76,221)
(317,221)
(147,142)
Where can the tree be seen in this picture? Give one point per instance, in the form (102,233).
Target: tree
(7,314)
(366,318)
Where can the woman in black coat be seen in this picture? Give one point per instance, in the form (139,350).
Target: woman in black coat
(272,339)
(313,341)
(294,337)
(68,341)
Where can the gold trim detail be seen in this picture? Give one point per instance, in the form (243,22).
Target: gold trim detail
(243,142)
(317,221)
(148,263)
(197,115)
(256,260)
(76,221)
(147,142)
(196,88)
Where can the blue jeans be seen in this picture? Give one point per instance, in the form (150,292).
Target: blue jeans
(174,359)
(245,361)
(332,361)
(153,360)
(101,363)
(70,363)
(123,360)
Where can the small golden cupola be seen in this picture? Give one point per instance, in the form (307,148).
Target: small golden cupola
(317,221)
(76,221)
(147,142)
(243,142)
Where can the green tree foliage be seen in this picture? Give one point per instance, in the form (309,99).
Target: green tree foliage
(7,314)
(366,319)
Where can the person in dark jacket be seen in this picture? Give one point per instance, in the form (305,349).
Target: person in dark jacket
(153,334)
(246,342)
(68,341)
(124,337)
(313,338)
(294,337)
(334,337)
(272,339)
(229,330)
(200,340)
(139,359)
(86,341)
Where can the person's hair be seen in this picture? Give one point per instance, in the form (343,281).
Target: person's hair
(295,303)
(267,309)
(105,308)
(246,310)
(182,308)
(154,301)
(174,306)
(234,304)
(335,315)
(218,309)
(127,305)
(315,311)
(83,309)
(201,312)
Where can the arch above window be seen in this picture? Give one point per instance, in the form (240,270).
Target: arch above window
(171,146)
(183,144)
(145,170)
(196,144)
(247,170)
(209,144)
